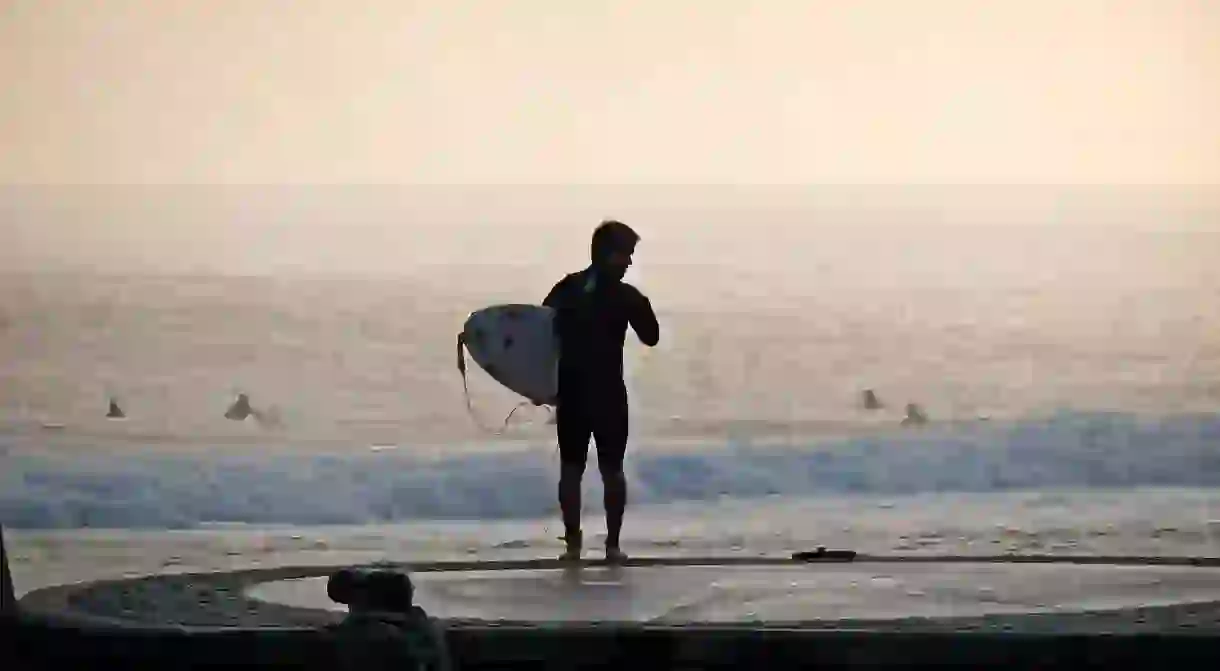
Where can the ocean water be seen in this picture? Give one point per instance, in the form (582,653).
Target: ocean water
(174,489)
(1091,382)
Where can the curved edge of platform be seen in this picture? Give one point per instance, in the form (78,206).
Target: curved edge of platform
(64,625)
(210,601)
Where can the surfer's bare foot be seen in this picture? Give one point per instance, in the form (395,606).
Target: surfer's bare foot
(615,555)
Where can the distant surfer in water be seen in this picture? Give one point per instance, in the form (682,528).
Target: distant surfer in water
(915,416)
(241,409)
(593,309)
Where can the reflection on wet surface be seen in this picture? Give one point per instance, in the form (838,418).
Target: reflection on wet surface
(781,593)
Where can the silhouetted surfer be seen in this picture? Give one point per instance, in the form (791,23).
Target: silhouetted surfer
(115,412)
(593,309)
(240,409)
(915,416)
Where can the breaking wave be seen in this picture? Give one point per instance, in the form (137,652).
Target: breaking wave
(157,489)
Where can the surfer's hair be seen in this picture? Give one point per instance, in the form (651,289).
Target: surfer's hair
(611,236)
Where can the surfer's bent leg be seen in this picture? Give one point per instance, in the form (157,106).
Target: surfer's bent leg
(573,429)
(610,434)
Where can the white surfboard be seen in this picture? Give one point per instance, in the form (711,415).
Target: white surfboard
(516,345)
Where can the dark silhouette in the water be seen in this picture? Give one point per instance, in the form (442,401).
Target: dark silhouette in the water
(593,309)
(915,416)
(115,412)
(240,409)
(870,400)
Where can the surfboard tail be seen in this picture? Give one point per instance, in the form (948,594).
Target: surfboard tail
(461,365)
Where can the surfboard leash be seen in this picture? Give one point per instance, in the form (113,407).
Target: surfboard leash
(461,364)
(474,416)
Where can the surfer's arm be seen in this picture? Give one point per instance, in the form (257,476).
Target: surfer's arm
(554,298)
(642,318)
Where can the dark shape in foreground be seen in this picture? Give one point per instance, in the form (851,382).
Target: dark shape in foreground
(383,627)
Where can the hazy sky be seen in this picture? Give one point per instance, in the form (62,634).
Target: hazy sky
(600,91)
(658,92)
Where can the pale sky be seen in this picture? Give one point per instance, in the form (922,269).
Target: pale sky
(600,91)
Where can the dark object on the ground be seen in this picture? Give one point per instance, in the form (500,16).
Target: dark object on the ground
(340,585)
(383,628)
(822,554)
(372,589)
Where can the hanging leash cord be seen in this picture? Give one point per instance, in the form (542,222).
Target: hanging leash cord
(474,416)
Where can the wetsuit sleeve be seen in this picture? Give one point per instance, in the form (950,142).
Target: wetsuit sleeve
(553,298)
(642,318)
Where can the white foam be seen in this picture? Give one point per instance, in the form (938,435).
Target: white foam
(147,488)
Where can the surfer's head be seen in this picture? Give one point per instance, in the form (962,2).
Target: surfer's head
(613,244)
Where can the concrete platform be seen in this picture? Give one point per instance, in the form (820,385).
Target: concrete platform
(773,594)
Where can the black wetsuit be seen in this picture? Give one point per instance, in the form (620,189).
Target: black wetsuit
(592,325)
